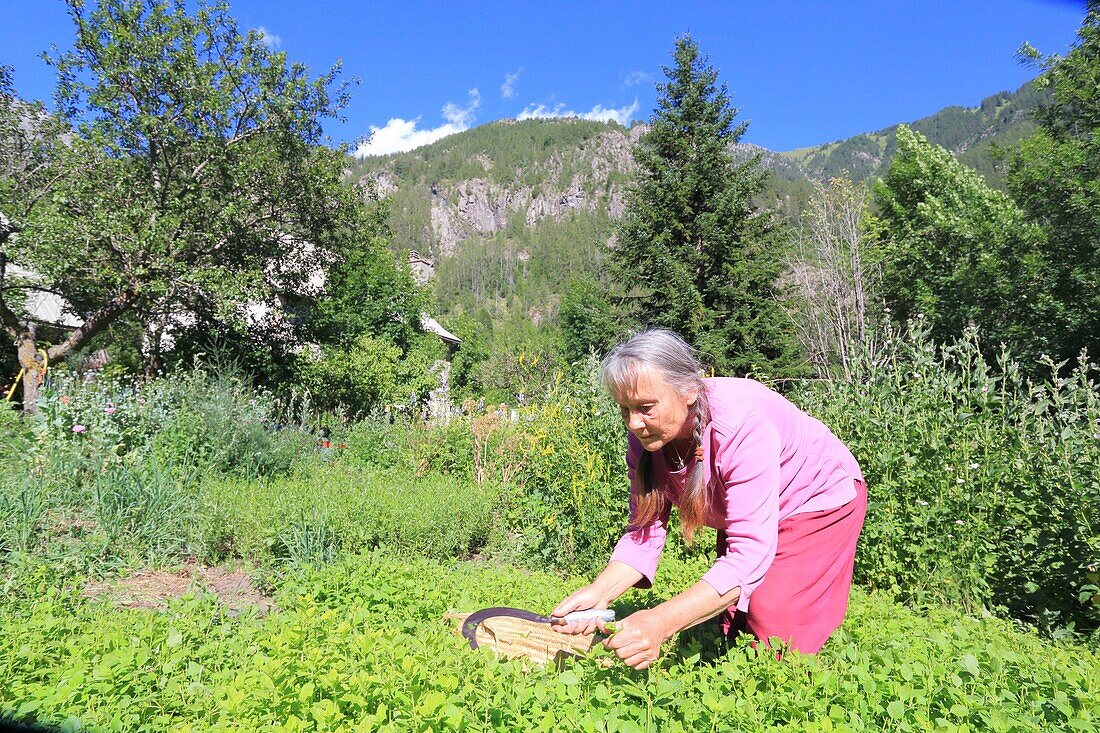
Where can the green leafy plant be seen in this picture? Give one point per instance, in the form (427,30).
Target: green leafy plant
(983,484)
(359,644)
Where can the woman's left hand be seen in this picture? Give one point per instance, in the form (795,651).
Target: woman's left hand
(637,639)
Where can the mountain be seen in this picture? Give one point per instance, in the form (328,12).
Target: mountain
(502,217)
(505,215)
(973,134)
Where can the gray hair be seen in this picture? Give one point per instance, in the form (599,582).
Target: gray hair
(655,348)
(674,360)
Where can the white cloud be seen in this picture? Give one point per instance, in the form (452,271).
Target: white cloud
(598,113)
(268,38)
(635,78)
(508,88)
(400,135)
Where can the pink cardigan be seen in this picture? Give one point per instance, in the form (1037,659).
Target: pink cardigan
(764,460)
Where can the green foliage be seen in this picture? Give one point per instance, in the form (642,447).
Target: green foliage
(365,291)
(190,170)
(704,261)
(115,465)
(341,509)
(31,140)
(358,645)
(371,373)
(559,459)
(1055,177)
(984,486)
(476,335)
(960,254)
(522,269)
(589,320)
(523,362)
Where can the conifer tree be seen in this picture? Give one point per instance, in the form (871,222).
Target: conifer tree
(703,261)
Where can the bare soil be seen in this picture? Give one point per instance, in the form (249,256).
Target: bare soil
(153,589)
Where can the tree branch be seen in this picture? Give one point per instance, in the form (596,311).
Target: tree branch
(94,324)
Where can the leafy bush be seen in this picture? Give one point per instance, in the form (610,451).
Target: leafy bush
(371,373)
(984,486)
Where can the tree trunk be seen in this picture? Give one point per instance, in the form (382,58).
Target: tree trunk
(32,363)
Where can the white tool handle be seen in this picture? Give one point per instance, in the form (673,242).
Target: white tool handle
(606,615)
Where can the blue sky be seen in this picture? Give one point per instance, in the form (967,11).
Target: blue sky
(802,73)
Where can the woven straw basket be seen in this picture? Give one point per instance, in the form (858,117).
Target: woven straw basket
(514,637)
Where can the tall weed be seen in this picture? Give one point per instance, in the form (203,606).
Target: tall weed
(336,509)
(129,455)
(559,461)
(984,487)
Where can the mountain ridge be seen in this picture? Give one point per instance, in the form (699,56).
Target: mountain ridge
(504,214)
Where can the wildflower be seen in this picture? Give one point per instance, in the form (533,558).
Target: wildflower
(959,522)
(922,502)
(79,428)
(65,399)
(958,480)
(973,466)
(109,410)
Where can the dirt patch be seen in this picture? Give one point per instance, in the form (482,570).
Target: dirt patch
(153,589)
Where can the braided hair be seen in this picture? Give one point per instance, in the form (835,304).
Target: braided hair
(665,353)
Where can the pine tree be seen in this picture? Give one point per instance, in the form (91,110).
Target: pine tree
(692,245)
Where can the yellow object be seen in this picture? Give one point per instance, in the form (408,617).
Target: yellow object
(41,374)
(14,385)
(513,637)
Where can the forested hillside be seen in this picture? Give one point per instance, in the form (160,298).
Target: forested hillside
(972,134)
(509,213)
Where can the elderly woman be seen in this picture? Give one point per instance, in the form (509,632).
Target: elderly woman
(785,495)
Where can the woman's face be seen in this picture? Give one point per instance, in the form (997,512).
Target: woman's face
(654,411)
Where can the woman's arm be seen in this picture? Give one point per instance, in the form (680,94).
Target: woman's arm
(638,637)
(612,582)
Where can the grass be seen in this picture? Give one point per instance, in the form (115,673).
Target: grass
(328,510)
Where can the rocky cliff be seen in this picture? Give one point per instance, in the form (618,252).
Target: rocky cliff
(554,179)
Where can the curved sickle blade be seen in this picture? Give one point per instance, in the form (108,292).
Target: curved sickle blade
(469,626)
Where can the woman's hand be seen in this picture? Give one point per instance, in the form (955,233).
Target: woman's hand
(589,597)
(637,639)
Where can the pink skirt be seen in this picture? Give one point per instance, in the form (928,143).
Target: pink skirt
(804,596)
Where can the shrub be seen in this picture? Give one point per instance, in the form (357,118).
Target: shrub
(371,374)
(984,487)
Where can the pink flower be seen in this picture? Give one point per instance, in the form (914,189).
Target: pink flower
(109,410)
(79,428)
(64,399)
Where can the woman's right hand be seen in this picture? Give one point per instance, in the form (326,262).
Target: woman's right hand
(584,599)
